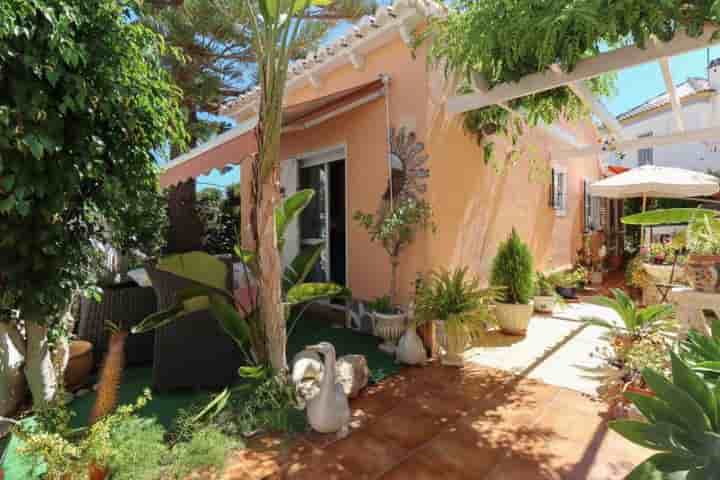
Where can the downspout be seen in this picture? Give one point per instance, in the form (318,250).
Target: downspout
(386,91)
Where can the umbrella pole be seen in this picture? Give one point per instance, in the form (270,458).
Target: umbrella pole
(642,227)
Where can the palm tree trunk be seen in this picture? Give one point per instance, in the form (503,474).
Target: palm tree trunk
(270,275)
(393,279)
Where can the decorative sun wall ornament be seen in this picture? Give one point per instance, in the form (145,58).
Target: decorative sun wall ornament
(408,159)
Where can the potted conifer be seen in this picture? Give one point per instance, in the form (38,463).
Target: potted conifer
(512,270)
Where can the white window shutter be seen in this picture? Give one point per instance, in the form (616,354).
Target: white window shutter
(289,184)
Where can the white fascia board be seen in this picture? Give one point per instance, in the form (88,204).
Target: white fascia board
(672,93)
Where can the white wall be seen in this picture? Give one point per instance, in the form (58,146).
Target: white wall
(692,156)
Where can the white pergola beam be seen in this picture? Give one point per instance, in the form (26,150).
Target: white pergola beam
(585,95)
(643,142)
(672,93)
(597,65)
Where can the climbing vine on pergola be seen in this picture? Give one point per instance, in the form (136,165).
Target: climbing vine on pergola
(485,44)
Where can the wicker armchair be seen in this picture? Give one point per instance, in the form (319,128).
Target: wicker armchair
(192,351)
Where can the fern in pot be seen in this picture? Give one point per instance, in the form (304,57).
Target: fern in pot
(512,270)
(459,308)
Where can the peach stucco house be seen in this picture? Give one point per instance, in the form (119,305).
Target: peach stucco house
(341,103)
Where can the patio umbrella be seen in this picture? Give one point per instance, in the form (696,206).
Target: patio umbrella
(656,182)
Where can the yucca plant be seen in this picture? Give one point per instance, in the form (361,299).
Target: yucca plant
(683,425)
(635,320)
(702,353)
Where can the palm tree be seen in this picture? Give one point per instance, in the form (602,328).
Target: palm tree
(277,28)
(635,320)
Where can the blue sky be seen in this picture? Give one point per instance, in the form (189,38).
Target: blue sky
(634,86)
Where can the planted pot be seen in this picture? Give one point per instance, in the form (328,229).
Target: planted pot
(544,303)
(79,365)
(644,391)
(96,472)
(389,327)
(514,318)
(703,272)
(452,345)
(410,349)
(569,293)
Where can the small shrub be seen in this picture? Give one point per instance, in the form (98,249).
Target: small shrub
(513,269)
(139,450)
(206,448)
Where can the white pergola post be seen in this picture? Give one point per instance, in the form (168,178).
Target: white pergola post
(672,93)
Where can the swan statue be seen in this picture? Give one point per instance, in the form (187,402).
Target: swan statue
(329,410)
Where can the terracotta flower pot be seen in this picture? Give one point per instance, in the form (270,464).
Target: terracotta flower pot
(646,392)
(96,472)
(80,364)
(703,272)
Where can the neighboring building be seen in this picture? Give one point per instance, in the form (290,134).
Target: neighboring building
(339,106)
(700,100)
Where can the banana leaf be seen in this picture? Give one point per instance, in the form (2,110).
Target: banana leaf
(289,210)
(199,267)
(301,266)
(308,292)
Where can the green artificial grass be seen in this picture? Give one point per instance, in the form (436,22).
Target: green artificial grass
(165,406)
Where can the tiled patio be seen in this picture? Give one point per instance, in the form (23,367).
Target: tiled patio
(435,422)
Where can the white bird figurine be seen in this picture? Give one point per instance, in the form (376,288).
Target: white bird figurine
(329,410)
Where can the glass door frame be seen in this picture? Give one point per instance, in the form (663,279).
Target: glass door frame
(324,157)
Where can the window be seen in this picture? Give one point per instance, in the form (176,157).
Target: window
(645,155)
(595,210)
(558,191)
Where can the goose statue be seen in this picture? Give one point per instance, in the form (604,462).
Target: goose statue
(329,410)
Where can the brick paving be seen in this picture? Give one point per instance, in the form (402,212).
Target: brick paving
(438,422)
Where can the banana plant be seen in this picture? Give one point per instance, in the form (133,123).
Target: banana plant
(240,320)
(683,426)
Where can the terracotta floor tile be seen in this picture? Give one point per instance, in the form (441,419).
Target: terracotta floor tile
(366,455)
(527,467)
(314,467)
(422,469)
(461,451)
(571,424)
(409,427)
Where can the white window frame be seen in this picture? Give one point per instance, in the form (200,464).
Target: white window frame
(560,207)
(650,151)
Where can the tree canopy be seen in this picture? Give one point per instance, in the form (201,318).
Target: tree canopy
(84,103)
(505,40)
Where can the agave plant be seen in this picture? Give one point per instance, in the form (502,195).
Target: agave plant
(702,353)
(683,425)
(241,320)
(635,320)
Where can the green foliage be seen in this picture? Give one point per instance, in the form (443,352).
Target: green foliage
(289,210)
(507,40)
(133,447)
(683,424)
(702,353)
(635,320)
(544,285)
(671,216)
(572,278)
(395,228)
(382,305)
(703,236)
(512,269)
(459,301)
(635,274)
(220,216)
(84,105)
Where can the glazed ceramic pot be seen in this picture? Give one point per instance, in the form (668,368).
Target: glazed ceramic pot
(514,318)
(410,349)
(544,303)
(569,293)
(703,272)
(390,328)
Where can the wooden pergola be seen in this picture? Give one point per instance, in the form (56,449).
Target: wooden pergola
(586,69)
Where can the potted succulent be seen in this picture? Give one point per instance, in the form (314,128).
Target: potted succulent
(545,296)
(703,263)
(512,270)
(459,308)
